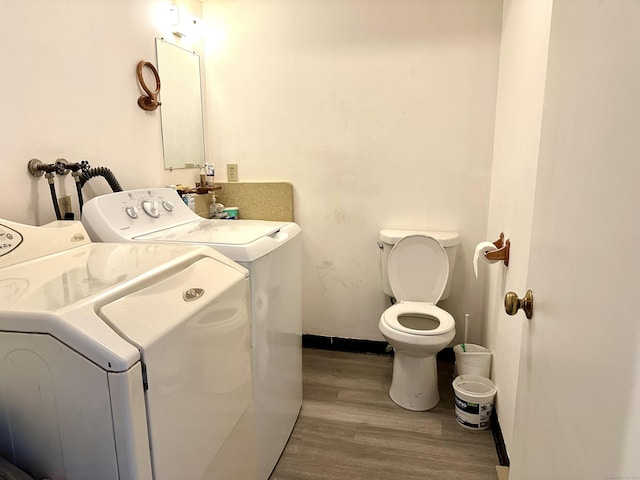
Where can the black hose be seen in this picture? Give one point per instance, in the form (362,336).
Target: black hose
(54,199)
(79,189)
(101,172)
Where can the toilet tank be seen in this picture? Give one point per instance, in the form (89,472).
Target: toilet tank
(388,238)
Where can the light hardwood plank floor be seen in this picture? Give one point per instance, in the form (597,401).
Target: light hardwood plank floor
(350,429)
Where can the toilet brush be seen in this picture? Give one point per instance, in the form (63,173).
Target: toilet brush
(466,331)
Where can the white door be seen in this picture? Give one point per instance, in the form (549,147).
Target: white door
(578,401)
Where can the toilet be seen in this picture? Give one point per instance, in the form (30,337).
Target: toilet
(416,268)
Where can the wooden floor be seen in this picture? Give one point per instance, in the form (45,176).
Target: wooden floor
(350,429)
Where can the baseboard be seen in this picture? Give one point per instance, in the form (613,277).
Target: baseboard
(501,448)
(446,355)
(503,472)
(345,344)
(360,346)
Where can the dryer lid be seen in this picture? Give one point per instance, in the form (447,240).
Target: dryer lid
(418,269)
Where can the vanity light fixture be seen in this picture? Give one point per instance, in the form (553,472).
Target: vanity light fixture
(184,23)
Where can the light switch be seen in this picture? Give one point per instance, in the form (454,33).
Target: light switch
(232,172)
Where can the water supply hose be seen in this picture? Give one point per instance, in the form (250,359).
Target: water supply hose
(101,172)
(54,197)
(76,177)
(81,172)
(37,169)
(64,167)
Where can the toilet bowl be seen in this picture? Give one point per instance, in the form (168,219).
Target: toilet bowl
(417,269)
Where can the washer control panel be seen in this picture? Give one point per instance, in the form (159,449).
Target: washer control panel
(10,239)
(19,242)
(122,216)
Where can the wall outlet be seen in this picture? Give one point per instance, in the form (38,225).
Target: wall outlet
(232,172)
(64,203)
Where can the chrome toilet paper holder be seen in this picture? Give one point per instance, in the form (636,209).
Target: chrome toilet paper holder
(503,250)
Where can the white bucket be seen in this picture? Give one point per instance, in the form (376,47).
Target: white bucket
(474,401)
(475,361)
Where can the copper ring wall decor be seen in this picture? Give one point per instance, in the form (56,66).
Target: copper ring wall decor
(150,101)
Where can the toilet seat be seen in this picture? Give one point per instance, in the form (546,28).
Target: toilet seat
(419,309)
(418,269)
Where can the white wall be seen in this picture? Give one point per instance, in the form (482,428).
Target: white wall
(381,114)
(521,82)
(69,90)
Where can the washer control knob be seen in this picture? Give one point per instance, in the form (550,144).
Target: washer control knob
(132,212)
(168,206)
(151,208)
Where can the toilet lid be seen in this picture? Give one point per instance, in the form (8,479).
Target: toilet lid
(417,318)
(418,269)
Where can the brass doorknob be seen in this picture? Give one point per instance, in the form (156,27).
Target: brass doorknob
(512,303)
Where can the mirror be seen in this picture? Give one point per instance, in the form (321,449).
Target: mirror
(181,108)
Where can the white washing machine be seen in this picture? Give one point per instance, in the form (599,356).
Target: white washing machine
(271,251)
(127,361)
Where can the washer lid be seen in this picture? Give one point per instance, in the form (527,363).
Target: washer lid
(239,240)
(418,269)
(230,232)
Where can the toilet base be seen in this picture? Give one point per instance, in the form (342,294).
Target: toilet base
(414,384)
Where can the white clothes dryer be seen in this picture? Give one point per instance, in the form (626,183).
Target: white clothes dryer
(271,251)
(122,361)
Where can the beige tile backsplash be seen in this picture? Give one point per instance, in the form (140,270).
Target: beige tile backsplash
(255,200)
